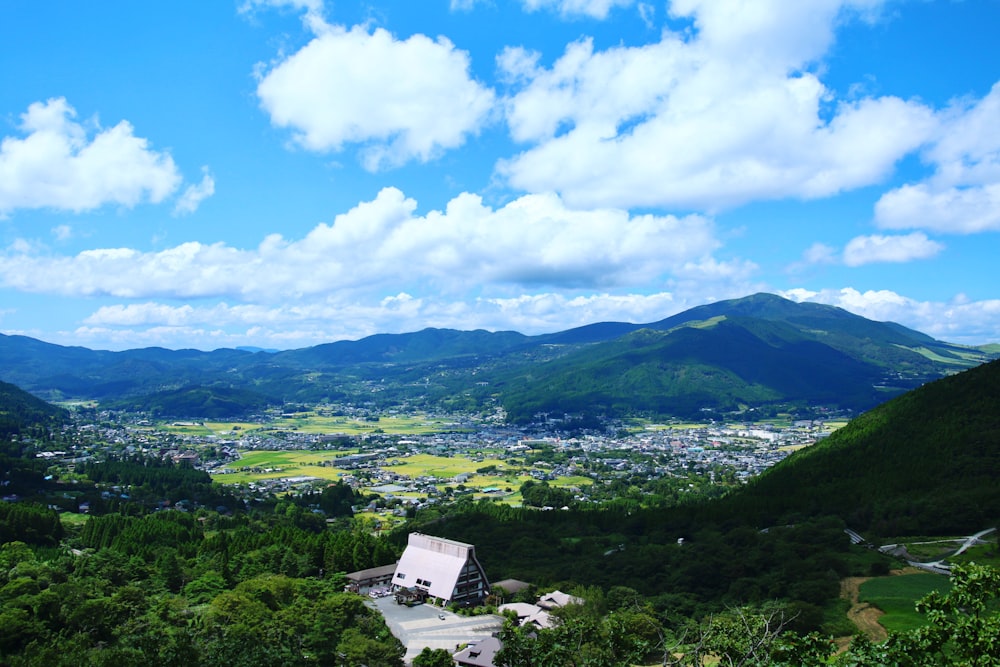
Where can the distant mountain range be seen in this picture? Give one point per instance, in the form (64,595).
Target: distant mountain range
(761,352)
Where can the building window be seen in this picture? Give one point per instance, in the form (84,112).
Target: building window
(400,575)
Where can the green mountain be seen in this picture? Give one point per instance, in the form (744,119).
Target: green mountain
(761,351)
(926,462)
(754,352)
(197,402)
(20,411)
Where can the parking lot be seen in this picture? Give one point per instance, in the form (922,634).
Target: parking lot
(427,625)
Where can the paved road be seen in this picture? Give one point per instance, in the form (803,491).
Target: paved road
(938,566)
(420,626)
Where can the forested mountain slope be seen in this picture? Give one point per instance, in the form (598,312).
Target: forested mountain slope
(20,410)
(926,462)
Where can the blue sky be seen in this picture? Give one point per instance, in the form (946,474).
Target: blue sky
(283,173)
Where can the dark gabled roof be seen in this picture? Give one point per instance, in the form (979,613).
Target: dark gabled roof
(479,654)
(372,573)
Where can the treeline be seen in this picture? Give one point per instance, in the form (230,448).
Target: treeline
(30,523)
(242,546)
(177,588)
(150,481)
(684,566)
(962,628)
(20,472)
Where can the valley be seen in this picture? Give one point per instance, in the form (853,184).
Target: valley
(218,511)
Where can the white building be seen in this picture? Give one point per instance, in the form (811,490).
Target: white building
(443,569)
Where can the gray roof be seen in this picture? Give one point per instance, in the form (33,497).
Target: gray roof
(372,573)
(479,654)
(512,585)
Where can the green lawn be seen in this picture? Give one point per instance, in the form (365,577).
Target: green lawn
(897,595)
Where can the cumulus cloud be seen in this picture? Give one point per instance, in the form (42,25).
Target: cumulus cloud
(337,318)
(963,194)
(727,114)
(58,164)
(195,194)
(959,320)
(532,241)
(880,248)
(965,210)
(397,100)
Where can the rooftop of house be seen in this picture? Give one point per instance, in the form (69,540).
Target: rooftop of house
(479,654)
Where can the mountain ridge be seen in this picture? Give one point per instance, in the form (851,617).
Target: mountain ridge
(729,355)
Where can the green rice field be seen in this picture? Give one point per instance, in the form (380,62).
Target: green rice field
(897,595)
(310,422)
(295,463)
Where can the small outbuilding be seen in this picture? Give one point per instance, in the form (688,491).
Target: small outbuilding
(363,581)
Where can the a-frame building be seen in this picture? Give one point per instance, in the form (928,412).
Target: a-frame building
(440,568)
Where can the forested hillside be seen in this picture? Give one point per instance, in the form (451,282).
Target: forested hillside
(20,411)
(927,462)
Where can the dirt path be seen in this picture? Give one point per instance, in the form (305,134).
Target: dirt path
(862,614)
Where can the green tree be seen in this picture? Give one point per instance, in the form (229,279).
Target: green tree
(433,658)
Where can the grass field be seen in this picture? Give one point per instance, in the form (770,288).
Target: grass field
(440,466)
(984,554)
(69,519)
(400,425)
(310,422)
(278,464)
(896,596)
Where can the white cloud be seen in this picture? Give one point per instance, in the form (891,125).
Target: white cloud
(878,248)
(963,195)
(313,10)
(334,318)
(726,115)
(58,165)
(398,100)
(958,321)
(195,194)
(647,13)
(62,232)
(598,9)
(966,210)
(532,241)
(819,253)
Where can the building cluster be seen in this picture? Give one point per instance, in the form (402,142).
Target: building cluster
(445,572)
